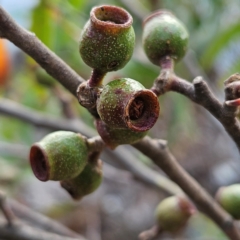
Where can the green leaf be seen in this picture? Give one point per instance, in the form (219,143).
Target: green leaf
(78,4)
(218,44)
(42,23)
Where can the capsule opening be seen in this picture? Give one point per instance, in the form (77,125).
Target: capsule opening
(111,15)
(39,163)
(136,108)
(142,111)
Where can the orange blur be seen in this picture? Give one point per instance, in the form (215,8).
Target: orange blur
(4,62)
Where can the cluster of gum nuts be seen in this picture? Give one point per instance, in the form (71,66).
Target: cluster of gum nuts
(124,109)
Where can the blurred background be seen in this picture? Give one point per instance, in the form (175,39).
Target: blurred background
(123,206)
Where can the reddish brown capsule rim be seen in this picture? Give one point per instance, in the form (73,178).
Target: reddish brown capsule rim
(39,162)
(150,112)
(186,206)
(157,13)
(111,17)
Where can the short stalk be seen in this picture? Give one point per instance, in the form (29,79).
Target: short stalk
(167,62)
(96,78)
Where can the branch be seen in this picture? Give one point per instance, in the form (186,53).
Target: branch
(13,109)
(140,171)
(150,234)
(14,150)
(16,229)
(31,45)
(21,231)
(66,102)
(6,210)
(199,92)
(161,156)
(39,220)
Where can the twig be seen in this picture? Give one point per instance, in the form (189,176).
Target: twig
(40,221)
(150,234)
(15,150)
(65,101)
(139,170)
(143,173)
(15,229)
(26,114)
(21,231)
(199,92)
(95,144)
(6,210)
(30,44)
(161,156)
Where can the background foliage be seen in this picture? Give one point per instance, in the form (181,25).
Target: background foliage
(195,138)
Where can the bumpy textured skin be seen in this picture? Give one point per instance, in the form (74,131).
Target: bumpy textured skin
(114,100)
(173,213)
(229,199)
(64,154)
(106,48)
(164,35)
(115,136)
(86,182)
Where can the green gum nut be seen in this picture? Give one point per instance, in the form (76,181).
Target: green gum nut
(86,182)
(125,103)
(229,198)
(115,136)
(173,213)
(60,155)
(164,35)
(107,40)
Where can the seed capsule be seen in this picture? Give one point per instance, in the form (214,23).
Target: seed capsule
(229,198)
(107,40)
(164,35)
(86,182)
(125,103)
(173,213)
(60,155)
(116,136)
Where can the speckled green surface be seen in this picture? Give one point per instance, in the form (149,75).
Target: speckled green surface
(105,49)
(114,137)
(170,216)
(229,199)
(113,100)
(67,154)
(164,34)
(86,182)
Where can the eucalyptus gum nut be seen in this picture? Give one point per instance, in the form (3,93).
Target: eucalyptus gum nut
(229,198)
(107,40)
(86,182)
(115,136)
(125,103)
(173,213)
(164,35)
(60,155)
